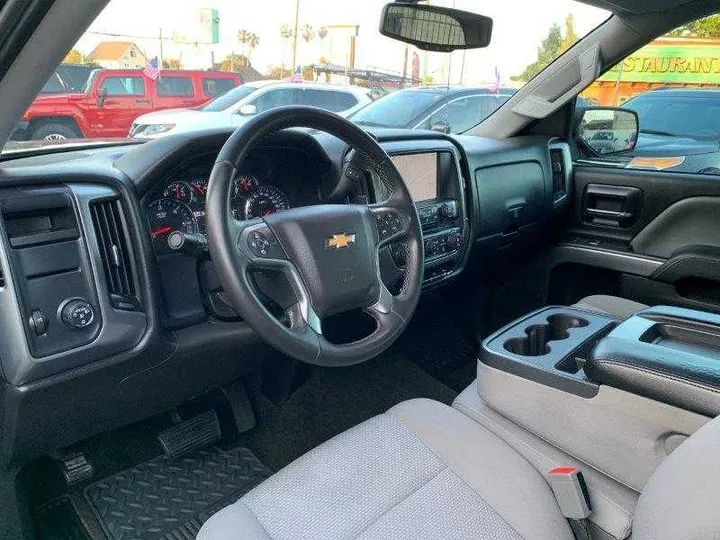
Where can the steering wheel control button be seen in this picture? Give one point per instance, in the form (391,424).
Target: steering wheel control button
(264,244)
(77,314)
(389,223)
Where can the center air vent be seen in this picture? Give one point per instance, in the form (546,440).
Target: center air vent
(113,243)
(559,174)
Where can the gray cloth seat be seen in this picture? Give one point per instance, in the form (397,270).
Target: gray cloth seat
(420,471)
(616,307)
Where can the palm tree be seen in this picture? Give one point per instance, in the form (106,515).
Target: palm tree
(286,33)
(307,33)
(253,41)
(244,38)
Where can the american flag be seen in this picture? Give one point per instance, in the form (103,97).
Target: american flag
(152,70)
(297,76)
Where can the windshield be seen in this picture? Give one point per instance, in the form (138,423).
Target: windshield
(139,59)
(221,103)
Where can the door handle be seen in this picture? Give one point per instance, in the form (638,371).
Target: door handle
(611,206)
(146,101)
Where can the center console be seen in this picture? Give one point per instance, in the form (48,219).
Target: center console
(618,396)
(432,173)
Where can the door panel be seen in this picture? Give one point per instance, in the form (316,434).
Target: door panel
(654,234)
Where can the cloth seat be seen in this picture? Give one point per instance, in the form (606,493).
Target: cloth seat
(420,471)
(615,306)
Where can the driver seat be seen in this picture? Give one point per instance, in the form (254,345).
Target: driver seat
(420,471)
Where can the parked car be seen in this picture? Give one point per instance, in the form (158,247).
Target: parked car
(679,129)
(449,109)
(237,106)
(113,98)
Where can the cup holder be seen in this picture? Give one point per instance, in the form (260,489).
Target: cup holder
(538,336)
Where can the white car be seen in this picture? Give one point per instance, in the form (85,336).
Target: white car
(240,104)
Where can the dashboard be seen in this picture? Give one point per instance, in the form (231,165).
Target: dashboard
(100,312)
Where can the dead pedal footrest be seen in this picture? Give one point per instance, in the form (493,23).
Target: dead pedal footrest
(198,432)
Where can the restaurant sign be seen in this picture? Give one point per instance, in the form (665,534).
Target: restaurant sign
(698,64)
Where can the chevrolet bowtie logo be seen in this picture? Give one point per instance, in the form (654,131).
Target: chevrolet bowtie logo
(339,241)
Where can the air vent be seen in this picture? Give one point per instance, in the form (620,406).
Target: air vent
(114,246)
(559,175)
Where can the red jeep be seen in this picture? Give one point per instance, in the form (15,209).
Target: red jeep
(114,98)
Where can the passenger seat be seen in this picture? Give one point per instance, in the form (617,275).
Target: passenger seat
(616,307)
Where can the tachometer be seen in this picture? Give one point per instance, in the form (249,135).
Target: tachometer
(245,184)
(265,200)
(180,191)
(199,189)
(168,215)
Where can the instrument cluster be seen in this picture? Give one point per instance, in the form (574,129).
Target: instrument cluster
(180,206)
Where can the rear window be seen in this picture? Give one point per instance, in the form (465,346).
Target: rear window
(214,86)
(330,100)
(123,86)
(175,86)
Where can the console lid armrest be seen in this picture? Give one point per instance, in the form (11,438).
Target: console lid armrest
(668,354)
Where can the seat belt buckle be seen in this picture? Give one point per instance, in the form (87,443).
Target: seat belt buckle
(571,492)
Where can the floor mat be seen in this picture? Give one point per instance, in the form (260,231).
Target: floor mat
(166,499)
(434,342)
(335,399)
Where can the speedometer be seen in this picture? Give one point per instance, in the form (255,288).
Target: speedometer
(166,216)
(265,200)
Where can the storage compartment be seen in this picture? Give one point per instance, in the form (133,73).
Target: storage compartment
(548,346)
(667,354)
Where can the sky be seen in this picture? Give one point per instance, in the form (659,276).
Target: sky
(519,27)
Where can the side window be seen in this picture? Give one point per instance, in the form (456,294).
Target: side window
(213,86)
(673,85)
(275,98)
(123,86)
(53,86)
(330,100)
(174,86)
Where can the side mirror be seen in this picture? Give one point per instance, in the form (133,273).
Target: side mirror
(248,110)
(442,127)
(102,96)
(435,28)
(608,130)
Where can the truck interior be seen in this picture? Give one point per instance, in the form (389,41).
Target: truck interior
(350,332)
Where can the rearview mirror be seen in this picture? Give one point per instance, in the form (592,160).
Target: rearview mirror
(248,110)
(608,130)
(435,28)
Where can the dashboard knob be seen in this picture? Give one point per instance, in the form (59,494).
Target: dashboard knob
(77,314)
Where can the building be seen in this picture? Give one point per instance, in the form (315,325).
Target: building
(677,62)
(118,55)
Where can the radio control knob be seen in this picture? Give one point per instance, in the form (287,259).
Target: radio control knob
(77,314)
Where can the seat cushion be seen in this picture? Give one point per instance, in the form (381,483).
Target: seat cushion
(420,471)
(616,307)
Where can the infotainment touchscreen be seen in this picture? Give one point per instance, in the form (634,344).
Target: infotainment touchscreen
(420,174)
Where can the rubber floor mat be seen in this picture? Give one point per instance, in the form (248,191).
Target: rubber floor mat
(166,499)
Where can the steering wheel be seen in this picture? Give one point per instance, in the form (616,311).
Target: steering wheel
(329,253)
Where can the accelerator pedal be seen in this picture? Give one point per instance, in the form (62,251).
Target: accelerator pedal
(186,437)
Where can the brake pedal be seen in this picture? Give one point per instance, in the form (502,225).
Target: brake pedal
(198,432)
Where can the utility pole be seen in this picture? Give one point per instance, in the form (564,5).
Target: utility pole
(405,63)
(295,34)
(161,48)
